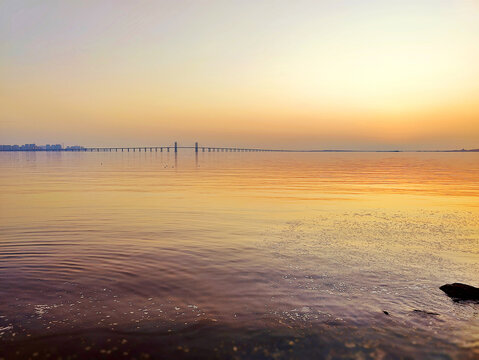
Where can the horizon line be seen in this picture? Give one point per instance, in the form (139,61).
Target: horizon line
(197,147)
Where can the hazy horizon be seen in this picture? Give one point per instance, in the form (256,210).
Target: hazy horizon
(305,75)
(215,147)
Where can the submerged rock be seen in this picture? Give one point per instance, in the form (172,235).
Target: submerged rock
(460,291)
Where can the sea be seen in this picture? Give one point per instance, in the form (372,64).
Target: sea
(237,255)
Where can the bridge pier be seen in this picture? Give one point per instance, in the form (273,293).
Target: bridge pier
(176,147)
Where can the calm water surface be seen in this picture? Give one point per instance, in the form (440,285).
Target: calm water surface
(237,255)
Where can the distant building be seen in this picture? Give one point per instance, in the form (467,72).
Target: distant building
(35,147)
(74,147)
(49,147)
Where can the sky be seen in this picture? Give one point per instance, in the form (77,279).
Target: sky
(292,74)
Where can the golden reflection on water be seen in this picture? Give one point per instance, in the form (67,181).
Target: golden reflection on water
(248,238)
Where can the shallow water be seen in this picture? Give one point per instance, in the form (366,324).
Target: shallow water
(248,255)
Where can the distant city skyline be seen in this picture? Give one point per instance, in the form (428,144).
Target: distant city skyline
(35,147)
(198,148)
(304,74)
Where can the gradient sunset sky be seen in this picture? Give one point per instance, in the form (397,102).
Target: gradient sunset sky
(294,74)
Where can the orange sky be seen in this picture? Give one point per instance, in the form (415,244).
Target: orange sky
(303,74)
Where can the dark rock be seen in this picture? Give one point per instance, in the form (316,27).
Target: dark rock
(460,291)
(384,311)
